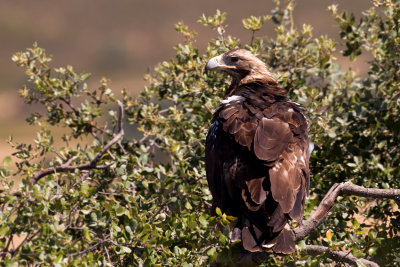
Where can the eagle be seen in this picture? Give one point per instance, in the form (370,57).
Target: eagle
(257,155)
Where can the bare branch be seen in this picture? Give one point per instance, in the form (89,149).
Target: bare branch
(339,256)
(351,189)
(10,238)
(320,213)
(91,248)
(257,258)
(93,163)
(38,175)
(11,235)
(27,239)
(66,101)
(116,138)
(58,154)
(328,201)
(70,161)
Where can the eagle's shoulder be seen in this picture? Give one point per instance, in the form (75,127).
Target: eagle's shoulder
(237,119)
(260,121)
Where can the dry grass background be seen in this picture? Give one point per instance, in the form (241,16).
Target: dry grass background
(122,40)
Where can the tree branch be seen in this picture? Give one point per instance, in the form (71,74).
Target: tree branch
(28,238)
(345,188)
(93,163)
(257,258)
(315,219)
(322,211)
(339,256)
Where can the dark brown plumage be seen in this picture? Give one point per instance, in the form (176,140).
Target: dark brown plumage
(257,154)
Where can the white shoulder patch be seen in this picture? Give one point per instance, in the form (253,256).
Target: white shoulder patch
(310,148)
(232,98)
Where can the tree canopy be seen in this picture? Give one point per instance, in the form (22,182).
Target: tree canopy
(102,197)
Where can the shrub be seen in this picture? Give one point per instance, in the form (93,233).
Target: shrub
(104,199)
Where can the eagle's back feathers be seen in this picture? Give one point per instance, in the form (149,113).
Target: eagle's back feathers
(257,165)
(257,154)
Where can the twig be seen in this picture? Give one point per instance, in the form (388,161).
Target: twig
(143,138)
(87,250)
(201,252)
(66,101)
(158,212)
(10,238)
(121,147)
(13,231)
(102,184)
(90,165)
(59,155)
(27,239)
(108,255)
(116,138)
(68,162)
(252,37)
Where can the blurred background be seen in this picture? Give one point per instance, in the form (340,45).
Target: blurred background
(123,40)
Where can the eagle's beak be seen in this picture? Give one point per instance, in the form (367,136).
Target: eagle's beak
(214,63)
(217,63)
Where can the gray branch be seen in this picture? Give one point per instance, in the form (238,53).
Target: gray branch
(257,258)
(315,219)
(338,256)
(345,188)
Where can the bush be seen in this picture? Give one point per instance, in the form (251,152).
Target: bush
(121,201)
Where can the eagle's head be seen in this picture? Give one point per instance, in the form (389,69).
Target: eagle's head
(242,65)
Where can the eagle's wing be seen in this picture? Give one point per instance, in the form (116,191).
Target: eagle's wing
(277,135)
(271,139)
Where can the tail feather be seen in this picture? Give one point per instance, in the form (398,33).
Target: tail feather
(249,242)
(278,220)
(254,240)
(284,243)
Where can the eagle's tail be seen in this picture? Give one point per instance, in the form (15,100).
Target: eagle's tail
(283,243)
(268,239)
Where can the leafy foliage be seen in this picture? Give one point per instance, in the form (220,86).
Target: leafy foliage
(145,202)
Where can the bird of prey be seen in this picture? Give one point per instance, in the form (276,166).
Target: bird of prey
(257,155)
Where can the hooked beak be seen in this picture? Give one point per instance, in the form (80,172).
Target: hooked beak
(217,63)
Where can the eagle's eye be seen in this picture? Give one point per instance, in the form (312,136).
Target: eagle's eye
(234,59)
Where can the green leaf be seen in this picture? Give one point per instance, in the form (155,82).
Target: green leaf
(4,230)
(203,221)
(301,245)
(120,211)
(7,161)
(357,253)
(188,206)
(218,211)
(86,233)
(126,249)
(211,251)
(360,264)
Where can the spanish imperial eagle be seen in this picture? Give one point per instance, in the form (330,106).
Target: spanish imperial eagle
(257,154)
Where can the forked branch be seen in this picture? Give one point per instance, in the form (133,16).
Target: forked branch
(345,188)
(93,164)
(320,213)
(338,256)
(257,258)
